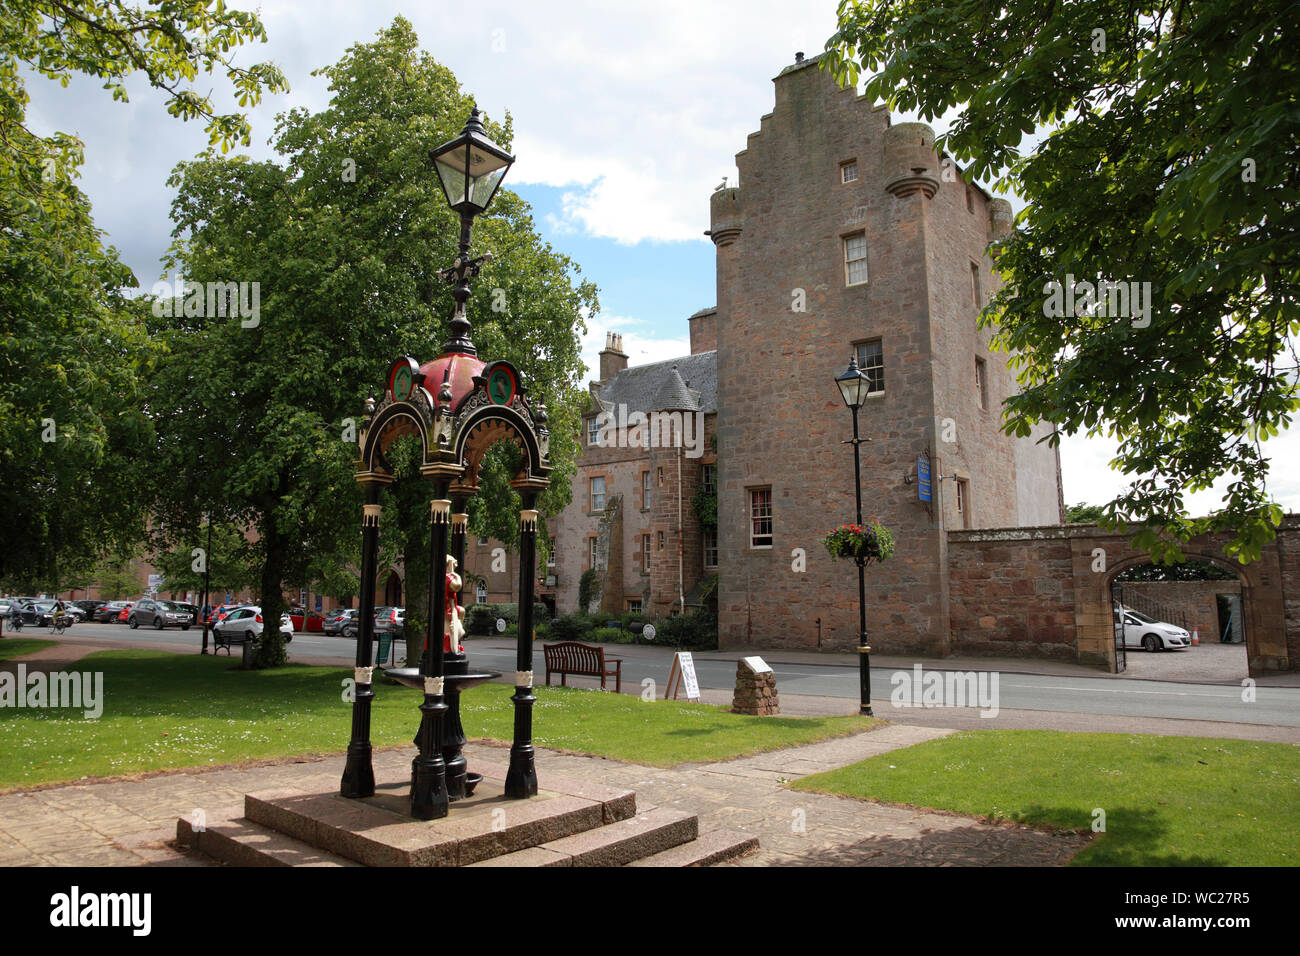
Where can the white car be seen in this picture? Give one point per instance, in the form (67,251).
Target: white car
(245,624)
(1152,635)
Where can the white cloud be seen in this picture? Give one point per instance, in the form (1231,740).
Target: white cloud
(1087,478)
(640,349)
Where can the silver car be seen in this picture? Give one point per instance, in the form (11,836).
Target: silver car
(160,614)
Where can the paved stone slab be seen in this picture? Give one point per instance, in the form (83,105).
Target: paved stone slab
(739,796)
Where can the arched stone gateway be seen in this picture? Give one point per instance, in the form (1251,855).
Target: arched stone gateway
(1046,592)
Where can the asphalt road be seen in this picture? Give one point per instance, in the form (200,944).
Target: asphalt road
(1279,706)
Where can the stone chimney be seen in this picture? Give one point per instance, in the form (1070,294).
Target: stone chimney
(612,357)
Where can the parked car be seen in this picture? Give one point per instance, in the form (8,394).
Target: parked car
(1152,635)
(159,614)
(87,608)
(220,613)
(335,620)
(392,621)
(39,613)
(388,620)
(245,623)
(304,620)
(107,613)
(125,613)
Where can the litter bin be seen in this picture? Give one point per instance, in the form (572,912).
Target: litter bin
(250,648)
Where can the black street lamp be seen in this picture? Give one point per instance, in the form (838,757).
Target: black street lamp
(207,586)
(470,168)
(854,386)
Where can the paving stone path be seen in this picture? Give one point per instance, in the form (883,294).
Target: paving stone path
(130,822)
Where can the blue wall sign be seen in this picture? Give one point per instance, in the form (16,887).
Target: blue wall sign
(923,478)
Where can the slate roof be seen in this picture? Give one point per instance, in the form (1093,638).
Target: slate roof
(643,388)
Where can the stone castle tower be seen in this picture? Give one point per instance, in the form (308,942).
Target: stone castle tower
(849,235)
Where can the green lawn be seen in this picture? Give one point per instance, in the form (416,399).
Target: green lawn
(1169,801)
(165,711)
(12,647)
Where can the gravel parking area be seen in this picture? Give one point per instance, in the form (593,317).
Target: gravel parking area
(1202,664)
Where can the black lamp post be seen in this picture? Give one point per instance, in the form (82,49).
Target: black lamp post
(854,386)
(470,168)
(207,586)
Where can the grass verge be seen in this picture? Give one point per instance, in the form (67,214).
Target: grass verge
(12,647)
(1167,801)
(163,711)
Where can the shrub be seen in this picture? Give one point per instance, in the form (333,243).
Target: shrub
(586,584)
(609,635)
(698,631)
(570,627)
(481,619)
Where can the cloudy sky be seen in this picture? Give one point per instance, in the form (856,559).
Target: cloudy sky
(625,116)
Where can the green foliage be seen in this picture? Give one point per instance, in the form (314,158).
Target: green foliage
(696,631)
(481,618)
(1170,159)
(229,563)
(1084,514)
(344,233)
(117,578)
(872,541)
(704,505)
(170,43)
(608,635)
(74,440)
(570,627)
(586,585)
(1186,571)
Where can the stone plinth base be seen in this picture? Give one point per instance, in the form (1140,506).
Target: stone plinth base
(755,693)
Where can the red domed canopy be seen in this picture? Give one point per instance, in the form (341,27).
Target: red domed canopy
(457,370)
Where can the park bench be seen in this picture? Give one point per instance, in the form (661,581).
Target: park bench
(226,639)
(584,660)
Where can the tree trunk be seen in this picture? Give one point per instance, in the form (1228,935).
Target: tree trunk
(271,651)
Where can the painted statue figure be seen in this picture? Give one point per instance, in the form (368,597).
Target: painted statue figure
(453,629)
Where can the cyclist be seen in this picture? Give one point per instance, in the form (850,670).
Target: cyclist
(59,619)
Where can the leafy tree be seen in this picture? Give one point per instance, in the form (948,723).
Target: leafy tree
(1084,514)
(344,241)
(111,40)
(118,578)
(1170,160)
(1183,571)
(73,437)
(228,564)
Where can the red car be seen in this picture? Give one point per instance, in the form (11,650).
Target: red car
(314,621)
(125,612)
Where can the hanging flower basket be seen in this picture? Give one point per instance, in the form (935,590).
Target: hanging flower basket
(871,541)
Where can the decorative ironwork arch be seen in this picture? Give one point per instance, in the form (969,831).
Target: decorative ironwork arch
(484,427)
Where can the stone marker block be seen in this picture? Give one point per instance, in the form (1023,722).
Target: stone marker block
(755,689)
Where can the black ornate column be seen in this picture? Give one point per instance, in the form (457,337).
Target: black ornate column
(521,779)
(359,773)
(428,771)
(459,528)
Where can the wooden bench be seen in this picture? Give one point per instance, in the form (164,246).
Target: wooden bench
(584,660)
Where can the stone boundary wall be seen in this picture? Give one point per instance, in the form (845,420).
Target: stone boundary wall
(1012,598)
(1044,592)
